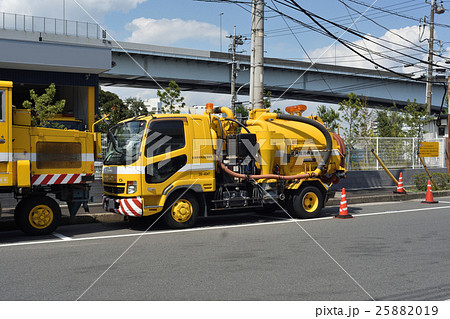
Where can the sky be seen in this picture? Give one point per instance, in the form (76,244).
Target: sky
(205,25)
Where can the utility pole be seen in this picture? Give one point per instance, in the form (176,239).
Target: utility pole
(439,10)
(257,56)
(237,40)
(448,124)
(430,58)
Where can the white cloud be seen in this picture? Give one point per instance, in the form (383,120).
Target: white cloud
(342,56)
(170,31)
(54,8)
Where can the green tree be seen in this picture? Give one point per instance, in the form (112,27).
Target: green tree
(42,107)
(330,116)
(359,118)
(135,107)
(415,116)
(267,100)
(241,109)
(170,97)
(118,110)
(279,111)
(110,103)
(390,123)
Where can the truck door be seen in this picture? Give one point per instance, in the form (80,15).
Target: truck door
(5,133)
(166,158)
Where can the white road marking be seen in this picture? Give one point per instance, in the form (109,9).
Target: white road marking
(272,217)
(61,236)
(162,232)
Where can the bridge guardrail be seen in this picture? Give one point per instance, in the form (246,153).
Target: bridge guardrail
(21,22)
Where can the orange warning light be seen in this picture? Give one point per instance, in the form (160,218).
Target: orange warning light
(296,109)
(209,106)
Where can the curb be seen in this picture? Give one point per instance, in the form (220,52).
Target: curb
(385,198)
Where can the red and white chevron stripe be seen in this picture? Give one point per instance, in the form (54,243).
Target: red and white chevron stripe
(51,179)
(127,206)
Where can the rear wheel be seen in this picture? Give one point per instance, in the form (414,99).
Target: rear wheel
(37,215)
(307,203)
(181,212)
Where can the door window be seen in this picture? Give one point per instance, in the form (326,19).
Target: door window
(164,137)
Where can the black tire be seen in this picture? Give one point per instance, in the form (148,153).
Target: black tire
(37,215)
(17,212)
(306,203)
(181,212)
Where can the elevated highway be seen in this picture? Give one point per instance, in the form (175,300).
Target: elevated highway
(149,66)
(32,57)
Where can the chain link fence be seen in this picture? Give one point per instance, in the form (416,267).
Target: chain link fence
(395,152)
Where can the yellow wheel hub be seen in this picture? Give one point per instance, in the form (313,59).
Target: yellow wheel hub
(182,210)
(41,216)
(310,202)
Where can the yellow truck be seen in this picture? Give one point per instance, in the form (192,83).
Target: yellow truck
(188,165)
(36,162)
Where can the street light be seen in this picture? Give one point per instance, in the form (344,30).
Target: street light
(220,15)
(64,17)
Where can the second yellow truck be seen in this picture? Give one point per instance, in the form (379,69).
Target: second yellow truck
(39,165)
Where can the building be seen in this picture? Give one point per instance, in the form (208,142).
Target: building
(153,105)
(436,127)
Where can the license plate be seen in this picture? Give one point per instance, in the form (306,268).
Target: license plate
(111,204)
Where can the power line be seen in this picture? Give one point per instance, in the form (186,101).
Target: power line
(396,13)
(351,45)
(294,5)
(342,19)
(378,24)
(312,62)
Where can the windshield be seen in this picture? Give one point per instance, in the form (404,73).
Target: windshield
(124,143)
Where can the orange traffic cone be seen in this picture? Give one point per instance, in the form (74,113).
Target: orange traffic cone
(343,212)
(400,189)
(429,196)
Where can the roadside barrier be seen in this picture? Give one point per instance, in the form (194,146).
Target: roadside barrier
(343,211)
(429,196)
(400,189)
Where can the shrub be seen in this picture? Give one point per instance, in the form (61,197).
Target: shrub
(421,180)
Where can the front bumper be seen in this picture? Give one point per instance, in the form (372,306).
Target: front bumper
(123,206)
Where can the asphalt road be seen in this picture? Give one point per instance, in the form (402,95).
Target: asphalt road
(389,251)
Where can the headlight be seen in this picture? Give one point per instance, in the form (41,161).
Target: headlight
(131,187)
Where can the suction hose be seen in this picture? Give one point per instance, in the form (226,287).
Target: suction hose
(266,176)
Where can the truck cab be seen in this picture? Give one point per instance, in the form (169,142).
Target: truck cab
(151,159)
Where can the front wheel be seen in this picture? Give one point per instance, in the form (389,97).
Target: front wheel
(307,203)
(181,212)
(37,215)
